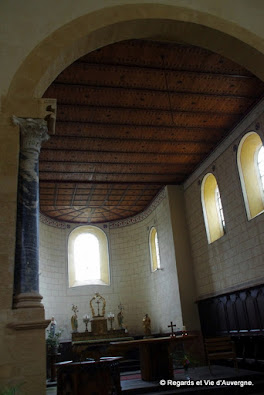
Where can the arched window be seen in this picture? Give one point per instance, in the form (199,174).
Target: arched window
(250,166)
(212,208)
(88,261)
(154,249)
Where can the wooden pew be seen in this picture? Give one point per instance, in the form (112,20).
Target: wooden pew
(217,348)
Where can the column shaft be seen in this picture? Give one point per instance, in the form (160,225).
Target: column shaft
(26,279)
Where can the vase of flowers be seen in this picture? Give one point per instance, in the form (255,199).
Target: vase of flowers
(53,341)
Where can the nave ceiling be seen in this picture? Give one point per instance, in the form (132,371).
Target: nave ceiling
(133,117)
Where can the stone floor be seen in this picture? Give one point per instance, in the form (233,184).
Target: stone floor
(197,383)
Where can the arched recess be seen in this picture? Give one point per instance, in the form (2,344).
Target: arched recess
(249,175)
(109,25)
(214,223)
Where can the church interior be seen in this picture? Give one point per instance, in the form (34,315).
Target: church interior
(132,173)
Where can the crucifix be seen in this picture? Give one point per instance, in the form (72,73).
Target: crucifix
(171,326)
(98,303)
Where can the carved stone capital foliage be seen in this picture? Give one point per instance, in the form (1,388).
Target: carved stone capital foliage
(33,133)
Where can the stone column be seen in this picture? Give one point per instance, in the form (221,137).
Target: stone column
(26,278)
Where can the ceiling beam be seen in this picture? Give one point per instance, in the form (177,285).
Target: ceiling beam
(95,108)
(139,182)
(117,140)
(55,89)
(126,68)
(147,128)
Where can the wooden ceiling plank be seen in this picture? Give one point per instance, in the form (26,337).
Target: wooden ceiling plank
(73,195)
(111,164)
(90,215)
(107,196)
(69,212)
(136,112)
(72,109)
(140,196)
(93,69)
(136,153)
(116,140)
(141,52)
(116,182)
(105,218)
(123,196)
(90,195)
(123,174)
(124,127)
(112,210)
(111,97)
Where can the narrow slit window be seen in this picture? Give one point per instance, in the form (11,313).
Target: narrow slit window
(260,163)
(219,206)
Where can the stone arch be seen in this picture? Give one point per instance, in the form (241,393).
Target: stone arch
(106,26)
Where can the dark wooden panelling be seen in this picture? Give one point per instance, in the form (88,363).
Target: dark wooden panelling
(240,312)
(241,315)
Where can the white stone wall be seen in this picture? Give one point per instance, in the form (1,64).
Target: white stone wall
(132,282)
(235,260)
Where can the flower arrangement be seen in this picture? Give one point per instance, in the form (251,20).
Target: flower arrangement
(183,360)
(53,340)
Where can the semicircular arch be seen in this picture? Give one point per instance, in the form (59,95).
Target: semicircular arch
(113,24)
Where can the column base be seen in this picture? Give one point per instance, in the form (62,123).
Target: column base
(27,300)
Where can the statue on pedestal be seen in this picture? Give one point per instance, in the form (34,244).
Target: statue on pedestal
(120,316)
(147,325)
(74,319)
(53,325)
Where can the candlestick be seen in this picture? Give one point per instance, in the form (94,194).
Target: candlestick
(86,319)
(111,318)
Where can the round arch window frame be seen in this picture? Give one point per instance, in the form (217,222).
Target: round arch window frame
(247,164)
(104,256)
(212,218)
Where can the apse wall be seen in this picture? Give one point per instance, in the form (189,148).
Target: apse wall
(235,261)
(132,282)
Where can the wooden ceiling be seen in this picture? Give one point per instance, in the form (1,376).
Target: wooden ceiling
(132,117)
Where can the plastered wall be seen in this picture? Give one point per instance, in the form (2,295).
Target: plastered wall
(132,282)
(235,260)
(39,40)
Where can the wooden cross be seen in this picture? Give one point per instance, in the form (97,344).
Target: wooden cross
(171,326)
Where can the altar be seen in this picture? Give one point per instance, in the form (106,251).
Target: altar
(155,359)
(94,343)
(93,336)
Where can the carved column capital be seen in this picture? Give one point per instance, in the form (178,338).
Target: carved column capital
(33,133)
